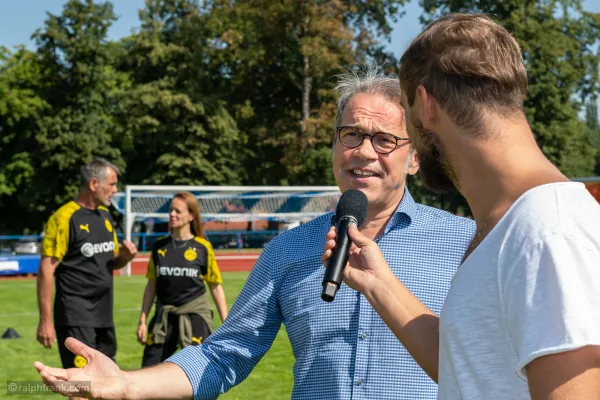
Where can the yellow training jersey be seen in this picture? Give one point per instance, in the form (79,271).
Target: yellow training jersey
(85,242)
(181,267)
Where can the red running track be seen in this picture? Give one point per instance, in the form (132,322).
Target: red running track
(228,262)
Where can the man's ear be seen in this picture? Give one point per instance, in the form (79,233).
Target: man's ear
(93,184)
(426,107)
(414,163)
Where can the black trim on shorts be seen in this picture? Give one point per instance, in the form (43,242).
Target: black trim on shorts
(102,339)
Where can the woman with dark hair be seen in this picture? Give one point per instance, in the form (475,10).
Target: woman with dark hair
(181,265)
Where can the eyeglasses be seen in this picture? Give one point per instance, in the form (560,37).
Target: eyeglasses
(383,143)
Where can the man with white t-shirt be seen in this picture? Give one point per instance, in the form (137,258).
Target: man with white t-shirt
(522,317)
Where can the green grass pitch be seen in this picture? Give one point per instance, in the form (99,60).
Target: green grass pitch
(271,379)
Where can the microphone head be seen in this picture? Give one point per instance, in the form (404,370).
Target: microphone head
(352,203)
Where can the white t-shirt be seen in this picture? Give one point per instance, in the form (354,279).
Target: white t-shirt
(531,288)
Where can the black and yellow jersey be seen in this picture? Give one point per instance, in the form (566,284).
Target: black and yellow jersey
(85,242)
(181,267)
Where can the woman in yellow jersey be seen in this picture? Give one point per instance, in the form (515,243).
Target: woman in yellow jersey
(181,266)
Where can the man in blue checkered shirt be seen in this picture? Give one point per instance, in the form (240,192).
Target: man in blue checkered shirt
(343,349)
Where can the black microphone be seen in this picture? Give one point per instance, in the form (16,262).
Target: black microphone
(352,208)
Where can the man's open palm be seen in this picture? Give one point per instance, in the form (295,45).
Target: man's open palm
(100,378)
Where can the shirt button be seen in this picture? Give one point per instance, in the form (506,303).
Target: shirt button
(363,335)
(358,382)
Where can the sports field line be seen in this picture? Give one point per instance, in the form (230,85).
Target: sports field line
(219,258)
(25,314)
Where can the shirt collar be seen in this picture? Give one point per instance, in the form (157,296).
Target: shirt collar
(404,212)
(407,206)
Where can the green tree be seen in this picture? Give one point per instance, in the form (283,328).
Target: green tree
(68,88)
(172,124)
(593,125)
(20,107)
(277,62)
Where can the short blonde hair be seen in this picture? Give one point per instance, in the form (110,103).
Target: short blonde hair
(469,64)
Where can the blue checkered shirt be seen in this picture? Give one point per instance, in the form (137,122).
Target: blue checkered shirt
(343,349)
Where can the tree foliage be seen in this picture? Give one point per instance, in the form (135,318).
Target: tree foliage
(228,92)
(593,126)
(174,130)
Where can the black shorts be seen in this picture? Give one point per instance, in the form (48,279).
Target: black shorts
(102,339)
(157,353)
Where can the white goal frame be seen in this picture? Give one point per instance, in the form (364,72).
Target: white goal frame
(131,216)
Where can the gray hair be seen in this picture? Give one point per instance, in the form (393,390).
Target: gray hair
(97,168)
(366,80)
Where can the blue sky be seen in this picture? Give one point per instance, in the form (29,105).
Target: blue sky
(20,18)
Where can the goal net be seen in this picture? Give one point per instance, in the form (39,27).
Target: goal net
(228,203)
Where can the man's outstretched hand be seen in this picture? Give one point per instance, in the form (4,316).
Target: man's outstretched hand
(100,378)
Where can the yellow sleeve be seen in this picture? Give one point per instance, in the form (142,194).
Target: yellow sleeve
(116,240)
(213,275)
(151,274)
(56,236)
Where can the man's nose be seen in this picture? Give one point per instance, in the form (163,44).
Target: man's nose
(366,150)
